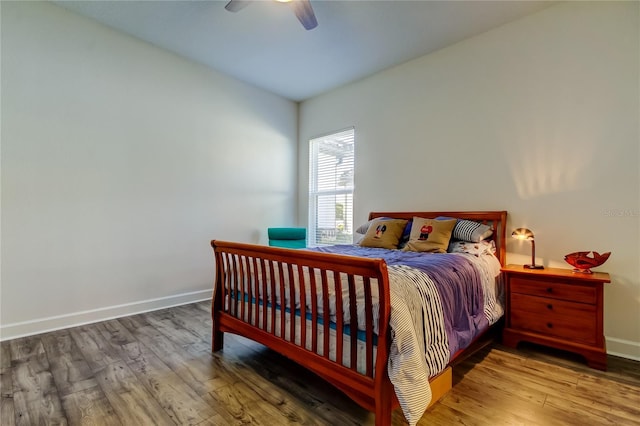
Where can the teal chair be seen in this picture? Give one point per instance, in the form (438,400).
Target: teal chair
(294,238)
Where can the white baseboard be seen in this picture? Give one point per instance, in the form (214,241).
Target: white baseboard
(623,348)
(43,325)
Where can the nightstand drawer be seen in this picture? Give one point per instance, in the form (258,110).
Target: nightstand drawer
(555,290)
(581,328)
(550,306)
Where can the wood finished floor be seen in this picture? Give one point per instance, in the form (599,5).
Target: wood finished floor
(157,369)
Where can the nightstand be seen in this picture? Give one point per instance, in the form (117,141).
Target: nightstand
(556,307)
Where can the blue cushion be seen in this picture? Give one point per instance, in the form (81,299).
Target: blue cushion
(287,237)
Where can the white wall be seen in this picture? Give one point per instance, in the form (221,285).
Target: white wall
(539,117)
(120,162)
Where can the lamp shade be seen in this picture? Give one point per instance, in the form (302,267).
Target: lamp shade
(526,235)
(522,234)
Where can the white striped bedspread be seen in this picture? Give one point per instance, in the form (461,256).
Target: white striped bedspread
(439,304)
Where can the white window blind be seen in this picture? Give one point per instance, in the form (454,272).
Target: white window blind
(331,169)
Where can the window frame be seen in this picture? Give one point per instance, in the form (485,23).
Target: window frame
(335,235)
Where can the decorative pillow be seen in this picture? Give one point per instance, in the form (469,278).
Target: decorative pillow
(477,249)
(384,233)
(469,230)
(430,235)
(362,229)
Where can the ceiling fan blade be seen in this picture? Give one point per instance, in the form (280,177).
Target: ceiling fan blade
(304,12)
(236,5)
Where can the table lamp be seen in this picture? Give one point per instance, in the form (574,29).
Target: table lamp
(526,234)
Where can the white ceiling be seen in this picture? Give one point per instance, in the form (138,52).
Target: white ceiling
(265,45)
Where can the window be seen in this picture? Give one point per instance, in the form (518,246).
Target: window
(331,167)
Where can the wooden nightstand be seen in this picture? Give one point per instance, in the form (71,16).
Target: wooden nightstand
(558,308)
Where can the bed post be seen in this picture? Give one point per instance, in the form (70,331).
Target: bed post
(217,336)
(384,392)
(384,406)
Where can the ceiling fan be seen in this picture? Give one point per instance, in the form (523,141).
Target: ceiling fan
(302,9)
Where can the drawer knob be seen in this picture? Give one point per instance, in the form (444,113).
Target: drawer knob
(549,306)
(549,290)
(549,325)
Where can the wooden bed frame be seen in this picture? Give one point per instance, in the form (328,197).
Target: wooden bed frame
(249,276)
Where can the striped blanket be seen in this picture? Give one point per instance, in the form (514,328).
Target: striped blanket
(439,304)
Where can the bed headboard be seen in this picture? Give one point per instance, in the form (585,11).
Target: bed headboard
(496,219)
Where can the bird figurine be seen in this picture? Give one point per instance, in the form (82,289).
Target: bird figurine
(581,261)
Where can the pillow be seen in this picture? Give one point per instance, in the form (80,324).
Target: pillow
(362,229)
(406,233)
(469,230)
(477,249)
(430,235)
(384,233)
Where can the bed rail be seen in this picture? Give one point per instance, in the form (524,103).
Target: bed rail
(255,293)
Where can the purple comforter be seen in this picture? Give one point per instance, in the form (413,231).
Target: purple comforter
(458,282)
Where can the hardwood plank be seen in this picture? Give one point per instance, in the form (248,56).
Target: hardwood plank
(182,403)
(350,414)
(189,318)
(133,322)
(535,376)
(581,415)
(122,342)
(215,420)
(70,370)
(35,396)
(592,396)
(25,348)
(291,401)
(203,373)
(117,335)
(441,414)
(184,364)
(164,322)
(591,393)
(204,306)
(5,355)
(472,398)
(620,399)
(239,399)
(502,380)
(287,385)
(7,412)
(94,347)
(623,370)
(129,398)
(287,407)
(619,369)
(274,377)
(90,407)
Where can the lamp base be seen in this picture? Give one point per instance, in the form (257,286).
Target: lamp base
(533,266)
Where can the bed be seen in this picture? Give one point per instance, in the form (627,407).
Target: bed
(377,323)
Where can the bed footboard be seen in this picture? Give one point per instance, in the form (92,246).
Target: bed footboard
(286,300)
